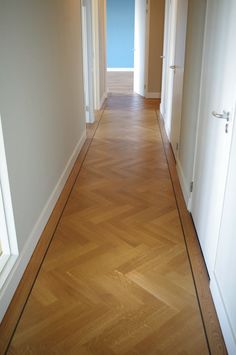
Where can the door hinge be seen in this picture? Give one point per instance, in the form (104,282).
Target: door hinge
(145,86)
(177,146)
(191,186)
(87,108)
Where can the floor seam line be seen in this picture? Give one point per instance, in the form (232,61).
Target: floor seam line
(48,247)
(184,236)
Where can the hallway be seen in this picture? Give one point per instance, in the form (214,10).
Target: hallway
(116,278)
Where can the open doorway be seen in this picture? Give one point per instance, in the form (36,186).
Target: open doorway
(132,67)
(134,34)
(120,46)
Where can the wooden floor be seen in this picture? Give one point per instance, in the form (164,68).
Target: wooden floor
(120,82)
(116,278)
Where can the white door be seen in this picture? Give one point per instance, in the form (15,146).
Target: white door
(177,67)
(223,283)
(178,10)
(214,133)
(140,33)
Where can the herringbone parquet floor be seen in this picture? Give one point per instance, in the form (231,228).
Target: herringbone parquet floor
(116,278)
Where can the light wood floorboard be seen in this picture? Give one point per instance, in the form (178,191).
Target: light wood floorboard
(120,82)
(116,278)
(201,278)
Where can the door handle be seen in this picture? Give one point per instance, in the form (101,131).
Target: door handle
(173,67)
(162,56)
(224,116)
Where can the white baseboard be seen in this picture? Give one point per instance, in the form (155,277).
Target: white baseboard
(167,129)
(104,97)
(189,206)
(153,95)
(10,286)
(223,318)
(162,109)
(120,69)
(183,183)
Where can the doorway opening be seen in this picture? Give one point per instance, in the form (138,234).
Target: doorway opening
(120,46)
(134,46)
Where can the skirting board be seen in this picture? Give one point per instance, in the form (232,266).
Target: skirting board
(153,95)
(185,187)
(223,318)
(120,69)
(162,109)
(104,97)
(9,287)
(167,131)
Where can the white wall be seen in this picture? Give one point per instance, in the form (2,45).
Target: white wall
(193,63)
(41,104)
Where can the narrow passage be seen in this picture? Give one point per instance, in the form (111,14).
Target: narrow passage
(116,278)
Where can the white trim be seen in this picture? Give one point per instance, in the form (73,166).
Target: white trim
(6,196)
(105,45)
(9,247)
(4,237)
(104,97)
(162,111)
(185,187)
(120,69)
(96,59)
(200,99)
(222,315)
(9,287)
(87,46)
(85,61)
(153,95)
(3,261)
(147,40)
(167,129)
(141,79)
(165,59)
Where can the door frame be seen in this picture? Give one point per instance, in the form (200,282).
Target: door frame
(164,59)
(8,236)
(87,45)
(170,45)
(146,51)
(96,60)
(168,78)
(147,47)
(99,57)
